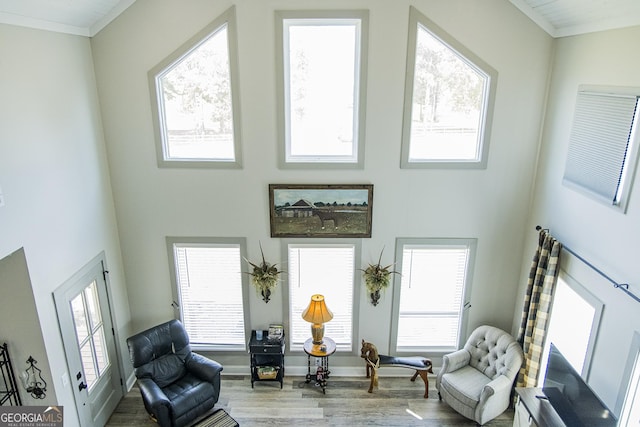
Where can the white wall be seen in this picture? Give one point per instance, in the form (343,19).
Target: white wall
(605,237)
(54,176)
(491,205)
(55,180)
(24,335)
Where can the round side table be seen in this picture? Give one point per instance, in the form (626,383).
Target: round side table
(316,350)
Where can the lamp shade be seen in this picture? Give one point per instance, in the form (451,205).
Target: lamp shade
(317,312)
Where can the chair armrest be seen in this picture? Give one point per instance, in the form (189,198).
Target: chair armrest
(495,398)
(155,400)
(497,387)
(152,393)
(203,368)
(452,362)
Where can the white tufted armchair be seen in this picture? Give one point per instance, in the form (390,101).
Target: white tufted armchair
(476,381)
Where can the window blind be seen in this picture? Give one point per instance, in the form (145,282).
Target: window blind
(431,297)
(210,291)
(327,270)
(599,144)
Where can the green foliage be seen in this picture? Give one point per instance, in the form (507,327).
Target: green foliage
(264,276)
(377,277)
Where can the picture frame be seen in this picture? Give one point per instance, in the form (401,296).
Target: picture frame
(276,332)
(330,210)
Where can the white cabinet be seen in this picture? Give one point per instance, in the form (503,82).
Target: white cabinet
(533,409)
(522,417)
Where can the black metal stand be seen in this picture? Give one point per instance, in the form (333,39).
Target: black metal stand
(9,387)
(322,372)
(321,353)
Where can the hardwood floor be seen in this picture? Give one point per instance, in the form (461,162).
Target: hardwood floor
(346,403)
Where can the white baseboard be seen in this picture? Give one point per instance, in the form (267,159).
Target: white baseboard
(336,371)
(131,381)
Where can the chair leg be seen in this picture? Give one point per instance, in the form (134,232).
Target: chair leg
(423,375)
(439,396)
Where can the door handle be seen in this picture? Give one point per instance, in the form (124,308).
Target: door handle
(81,386)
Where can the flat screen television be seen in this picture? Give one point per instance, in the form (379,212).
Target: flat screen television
(574,401)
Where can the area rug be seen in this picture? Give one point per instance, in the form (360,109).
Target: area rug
(218,419)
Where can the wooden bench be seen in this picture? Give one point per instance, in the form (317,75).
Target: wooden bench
(421,365)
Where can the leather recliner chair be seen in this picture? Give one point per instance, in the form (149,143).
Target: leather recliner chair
(177,385)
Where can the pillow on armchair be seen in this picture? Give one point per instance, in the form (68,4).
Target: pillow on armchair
(477,380)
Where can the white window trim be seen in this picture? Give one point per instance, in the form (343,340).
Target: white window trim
(228,18)
(471,245)
(598,307)
(632,363)
(362,43)
(418,19)
(356,243)
(207,241)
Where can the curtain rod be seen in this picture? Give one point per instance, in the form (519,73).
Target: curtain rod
(622,286)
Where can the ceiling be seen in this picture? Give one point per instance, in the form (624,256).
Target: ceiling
(79,17)
(559,18)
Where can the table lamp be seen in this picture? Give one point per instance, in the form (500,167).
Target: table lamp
(317,314)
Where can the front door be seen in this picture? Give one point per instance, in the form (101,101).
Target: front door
(84,315)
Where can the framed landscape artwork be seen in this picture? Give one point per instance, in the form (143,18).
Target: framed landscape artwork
(320,210)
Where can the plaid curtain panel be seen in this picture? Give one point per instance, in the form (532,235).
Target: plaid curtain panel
(537,304)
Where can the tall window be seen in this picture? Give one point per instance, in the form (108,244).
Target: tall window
(629,400)
(196,101)
(603,149)
(448,100)
(210,291)
(322,68)
(573,325)
(329,270)
(90,334)
(429,304)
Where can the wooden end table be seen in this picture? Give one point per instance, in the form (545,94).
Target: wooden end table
(322,373)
